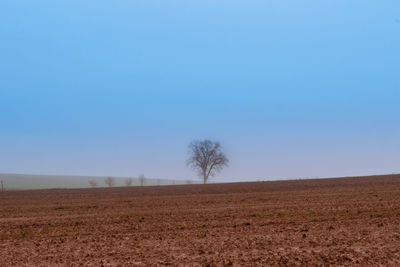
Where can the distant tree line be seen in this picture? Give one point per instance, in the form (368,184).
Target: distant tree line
(111,181)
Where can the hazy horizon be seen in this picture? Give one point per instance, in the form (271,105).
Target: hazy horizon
(291,89)
(49,181)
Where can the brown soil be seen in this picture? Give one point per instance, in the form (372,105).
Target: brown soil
(348,221)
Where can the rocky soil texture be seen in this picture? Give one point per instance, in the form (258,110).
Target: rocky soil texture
(346,221)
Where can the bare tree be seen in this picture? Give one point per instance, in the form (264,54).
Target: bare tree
(206,158)
(2,185)
(189,182)
(128,181)
(158,181)
(93,183)
(142,179)
(110,181)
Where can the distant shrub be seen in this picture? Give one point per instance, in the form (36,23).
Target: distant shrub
(128,181)
(93,183)
(142,180)
(110,181)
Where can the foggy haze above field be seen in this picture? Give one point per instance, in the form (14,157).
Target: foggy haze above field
(291,89)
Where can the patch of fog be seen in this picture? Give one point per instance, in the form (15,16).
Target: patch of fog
(27,181)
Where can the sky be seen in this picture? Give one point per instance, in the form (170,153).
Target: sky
(291,89)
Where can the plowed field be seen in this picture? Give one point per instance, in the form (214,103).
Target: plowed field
(344,221)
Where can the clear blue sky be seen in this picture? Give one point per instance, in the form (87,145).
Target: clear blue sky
(290,88)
